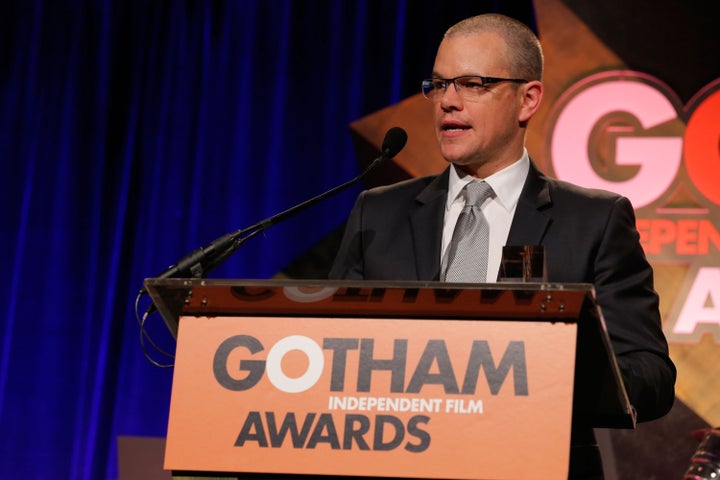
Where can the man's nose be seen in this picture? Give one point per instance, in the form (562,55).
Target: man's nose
(451,99)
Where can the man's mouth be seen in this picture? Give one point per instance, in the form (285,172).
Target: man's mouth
(454,127)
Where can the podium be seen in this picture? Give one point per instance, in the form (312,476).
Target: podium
(277,379)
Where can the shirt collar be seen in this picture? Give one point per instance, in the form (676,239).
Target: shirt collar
(507,183)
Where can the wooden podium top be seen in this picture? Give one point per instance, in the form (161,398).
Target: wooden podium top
(517,301)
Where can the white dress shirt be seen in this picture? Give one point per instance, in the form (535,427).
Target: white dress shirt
(498,210)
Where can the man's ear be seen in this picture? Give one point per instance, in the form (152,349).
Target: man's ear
(532,93)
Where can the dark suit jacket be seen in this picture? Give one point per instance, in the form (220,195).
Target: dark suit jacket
(395,232)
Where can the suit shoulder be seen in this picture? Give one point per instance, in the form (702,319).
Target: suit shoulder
(410,187)
(566,191)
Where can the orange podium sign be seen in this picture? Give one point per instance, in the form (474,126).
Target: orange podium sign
(413,381)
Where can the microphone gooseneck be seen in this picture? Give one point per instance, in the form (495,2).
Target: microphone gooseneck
(201,261)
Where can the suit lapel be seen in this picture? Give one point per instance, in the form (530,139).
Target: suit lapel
(531,219)
(426,224)
(529,224)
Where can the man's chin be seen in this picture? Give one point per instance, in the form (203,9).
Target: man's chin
(457,160)
(453,155)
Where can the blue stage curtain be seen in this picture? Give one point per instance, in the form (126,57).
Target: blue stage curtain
(132,132)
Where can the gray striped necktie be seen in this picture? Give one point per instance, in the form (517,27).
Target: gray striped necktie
(467,255)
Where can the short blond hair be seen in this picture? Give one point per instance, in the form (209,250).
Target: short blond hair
(525,55)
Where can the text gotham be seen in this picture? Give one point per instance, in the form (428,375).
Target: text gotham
(379,432)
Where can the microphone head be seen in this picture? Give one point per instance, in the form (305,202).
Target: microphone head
(395,140)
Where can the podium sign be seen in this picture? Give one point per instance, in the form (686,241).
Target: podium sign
(420,381)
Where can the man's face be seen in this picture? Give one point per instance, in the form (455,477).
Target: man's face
(482,134)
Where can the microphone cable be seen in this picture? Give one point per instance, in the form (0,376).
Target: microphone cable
(145,337)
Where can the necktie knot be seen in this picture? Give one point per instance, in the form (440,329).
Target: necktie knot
(476,193)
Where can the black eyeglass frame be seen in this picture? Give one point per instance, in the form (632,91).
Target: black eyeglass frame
(428,85)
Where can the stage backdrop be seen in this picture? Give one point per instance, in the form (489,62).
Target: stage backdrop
(134,131)
(630,108)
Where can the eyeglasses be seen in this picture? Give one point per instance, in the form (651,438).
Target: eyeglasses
(468,87)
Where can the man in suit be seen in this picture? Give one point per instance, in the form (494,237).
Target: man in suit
(486,86)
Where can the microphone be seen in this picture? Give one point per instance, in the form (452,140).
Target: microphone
(201,261)
(394,141)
